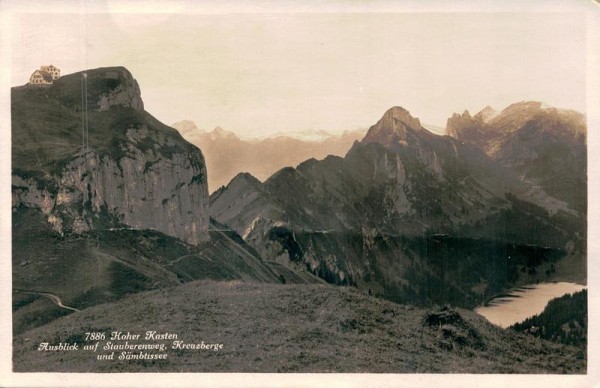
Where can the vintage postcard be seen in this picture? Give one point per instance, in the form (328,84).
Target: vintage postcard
(295,194)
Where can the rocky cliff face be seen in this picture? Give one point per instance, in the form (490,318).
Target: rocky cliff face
(167,196)
(463,125)
(136,171)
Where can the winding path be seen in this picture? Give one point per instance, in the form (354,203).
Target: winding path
(53,297)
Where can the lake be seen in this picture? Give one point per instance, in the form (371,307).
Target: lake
(521,303)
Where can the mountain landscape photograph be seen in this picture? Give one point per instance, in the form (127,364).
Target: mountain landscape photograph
(373,192)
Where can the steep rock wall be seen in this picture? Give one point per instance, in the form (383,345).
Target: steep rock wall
(136,172)
(142,191)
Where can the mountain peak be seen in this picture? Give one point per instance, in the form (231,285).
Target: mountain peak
(247,178)
(393,126)
(525,106)
(399,115)
(185,126)
(110,185)
(106,87)
(220,133)
(486,114)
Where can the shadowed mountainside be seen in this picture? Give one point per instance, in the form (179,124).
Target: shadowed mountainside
(407,215)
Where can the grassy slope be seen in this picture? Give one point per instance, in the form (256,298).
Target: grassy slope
(104,265)
(295,328)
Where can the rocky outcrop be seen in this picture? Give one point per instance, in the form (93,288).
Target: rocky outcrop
(136,172)
(127,93)
(461,126)
(242,204)
(106,87)
(141,190)
(486,114)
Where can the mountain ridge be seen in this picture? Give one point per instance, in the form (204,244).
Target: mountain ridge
(543,145)
(384,203)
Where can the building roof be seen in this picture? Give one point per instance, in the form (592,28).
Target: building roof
(45,75)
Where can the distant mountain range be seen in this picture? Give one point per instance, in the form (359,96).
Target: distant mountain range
(227,155)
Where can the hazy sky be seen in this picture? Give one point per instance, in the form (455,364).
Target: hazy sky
(263,73)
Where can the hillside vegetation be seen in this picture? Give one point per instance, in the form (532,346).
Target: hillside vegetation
(104,265)
(295,328)
(564,320)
